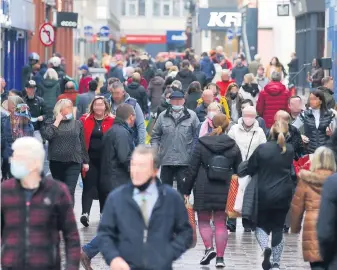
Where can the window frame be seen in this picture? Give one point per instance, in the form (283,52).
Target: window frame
(126,7)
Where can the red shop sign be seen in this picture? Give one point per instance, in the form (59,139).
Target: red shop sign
(143,39)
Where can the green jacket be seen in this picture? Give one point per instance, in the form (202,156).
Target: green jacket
(329,99)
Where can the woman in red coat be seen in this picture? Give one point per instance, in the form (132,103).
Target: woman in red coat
(95,124)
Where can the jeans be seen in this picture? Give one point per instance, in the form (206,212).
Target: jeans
(91,249)
(168,173)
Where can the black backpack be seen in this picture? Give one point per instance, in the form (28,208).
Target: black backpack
(219,168)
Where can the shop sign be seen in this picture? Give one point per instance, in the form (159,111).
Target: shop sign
(176,37)
(213,19)
(104,33)
(67,19)
(143,39)
(5,18)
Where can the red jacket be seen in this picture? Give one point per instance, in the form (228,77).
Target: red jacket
(143,82)
(272,98)
(69,94)
(224,86)
(89,125)
(83,86)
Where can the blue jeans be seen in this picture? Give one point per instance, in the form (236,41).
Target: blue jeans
(91,249)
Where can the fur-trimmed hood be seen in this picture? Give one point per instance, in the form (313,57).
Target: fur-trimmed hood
(315,179)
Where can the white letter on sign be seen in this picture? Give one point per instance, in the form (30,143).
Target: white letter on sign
(215,19)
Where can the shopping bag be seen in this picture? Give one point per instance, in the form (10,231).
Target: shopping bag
(243,183)
(191,219)
(233,191)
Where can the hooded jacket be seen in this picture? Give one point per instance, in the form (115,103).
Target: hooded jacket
(210,195)
(273,98)
(136,91)
(49,90)
(185,76)
(156,88)
(329,99)
(116,72)
(307,199)
(207,66)
(250,91)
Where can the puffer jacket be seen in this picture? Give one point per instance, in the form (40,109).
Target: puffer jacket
(175,137)
(136,91)
(317,136)
(329,99)
(273,98)
(307,199)
(156,89)
(186,76)
(49,90)
(207,66)
(210,195)
(219,99)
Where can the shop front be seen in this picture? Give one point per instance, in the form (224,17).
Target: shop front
(176,41)
(152,44)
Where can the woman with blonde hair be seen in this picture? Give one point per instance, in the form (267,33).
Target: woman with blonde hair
(95,124)
(250,89)
(214,160)
(307,199)
(67,153)
(272,163)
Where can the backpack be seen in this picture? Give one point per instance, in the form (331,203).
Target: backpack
(219,168)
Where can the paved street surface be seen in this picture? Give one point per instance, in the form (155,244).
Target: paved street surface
(242,252)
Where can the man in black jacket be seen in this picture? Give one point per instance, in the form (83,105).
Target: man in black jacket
(138,92)
(117,147)
(149,229)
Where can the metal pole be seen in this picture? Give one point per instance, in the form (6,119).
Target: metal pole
(46,20)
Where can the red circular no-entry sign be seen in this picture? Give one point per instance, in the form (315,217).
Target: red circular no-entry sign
(47,34)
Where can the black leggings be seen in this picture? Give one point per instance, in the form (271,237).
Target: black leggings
(318,266)
(91,186)
(66,172)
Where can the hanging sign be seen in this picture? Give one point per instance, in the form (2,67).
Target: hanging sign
(47,34)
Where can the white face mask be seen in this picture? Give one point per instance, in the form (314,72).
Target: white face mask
(249,121)
(211,115)
(18,169)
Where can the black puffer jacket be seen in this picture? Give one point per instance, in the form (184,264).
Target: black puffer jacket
(210,195)
(156,89)
(136,91)
(49,90)
(186,76)
(317,136)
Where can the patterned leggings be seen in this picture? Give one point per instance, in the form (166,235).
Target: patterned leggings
(206,231)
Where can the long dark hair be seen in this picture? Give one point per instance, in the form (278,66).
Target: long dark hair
(194,87)
(278,63)
(320,95)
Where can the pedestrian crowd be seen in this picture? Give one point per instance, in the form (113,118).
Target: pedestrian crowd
(240,141)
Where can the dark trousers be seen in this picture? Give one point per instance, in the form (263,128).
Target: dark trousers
(169,173)
(66,172)
(5,169)
(318,266)
(91,188)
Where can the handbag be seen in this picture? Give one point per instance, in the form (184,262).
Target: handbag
(243,167)
(191,219)
(233,191)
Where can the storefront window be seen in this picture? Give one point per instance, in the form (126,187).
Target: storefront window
(133,7)
(156,7)
(141,7)
(168,7)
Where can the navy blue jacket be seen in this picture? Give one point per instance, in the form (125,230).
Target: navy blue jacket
(116,72)
(207,66)
(123,233)
(6,136)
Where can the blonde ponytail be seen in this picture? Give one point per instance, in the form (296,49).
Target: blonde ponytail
(281,141)
(278,132)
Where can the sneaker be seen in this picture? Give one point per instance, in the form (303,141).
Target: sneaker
(266,265)
(210,254)
(85,261)
(231,228)
(220,262)
(85,219)
(285,229)
(275,266)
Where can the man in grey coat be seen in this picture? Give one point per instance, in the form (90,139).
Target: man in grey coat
(173,134)
(83,100)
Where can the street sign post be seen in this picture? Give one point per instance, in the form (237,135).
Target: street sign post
(88,32)
(47,34)
(104,32)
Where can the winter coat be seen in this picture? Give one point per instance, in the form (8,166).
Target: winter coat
(275,185)
(192,100)
(236,102)
(143,83)
(82,103)
(317,75)
(164,106)
(6,136)
(202,112)
(328,95)
(253,67)
(83,86)
(207,66)
(210,195)
(307,199)
(175,137)
(185,76)
(201,77)
(61,75)
(30,235)
(250,92)
(317,136)
(238,72)
(262,82)
(223,85)
(122,231)
(148,74)
(250,205)
(49,90)
(327,223)
(156,88)
(69,94)
(37,108)
(273,98)
(117,147)
(254,137)
(296,141)
(136,91)
(116,72)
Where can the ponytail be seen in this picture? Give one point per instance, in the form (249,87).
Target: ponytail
(216,131)
(278,131)
(281,141)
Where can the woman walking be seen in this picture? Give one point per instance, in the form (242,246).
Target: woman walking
(95,124)
(250,89)
(211,190)
(67,153)
(307,199)
(272,163)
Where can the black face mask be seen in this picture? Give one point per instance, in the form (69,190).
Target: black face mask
(144,186)
(233,95)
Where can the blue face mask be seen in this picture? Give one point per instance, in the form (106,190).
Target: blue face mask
(18,170)
(69,116)
(177,107)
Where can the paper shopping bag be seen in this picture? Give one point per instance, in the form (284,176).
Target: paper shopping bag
(233,191)
(191,218)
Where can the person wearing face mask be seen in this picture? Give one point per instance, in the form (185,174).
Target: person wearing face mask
(35,209)
(165,101)
(67,152)
(206,127)
(117,147)
(248,136)
(207,98)
(173,134)
(149,229)
(261,79)
(234,100)
(37,108)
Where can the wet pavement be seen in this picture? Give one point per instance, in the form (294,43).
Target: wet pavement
(242,251)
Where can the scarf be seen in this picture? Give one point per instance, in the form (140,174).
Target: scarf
(252,89)
(204,127)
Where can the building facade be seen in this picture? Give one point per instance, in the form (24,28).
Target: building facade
(153,25)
